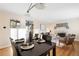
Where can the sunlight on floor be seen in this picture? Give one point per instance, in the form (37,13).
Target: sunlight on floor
(6,51)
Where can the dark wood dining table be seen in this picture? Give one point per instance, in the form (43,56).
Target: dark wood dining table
(40,49)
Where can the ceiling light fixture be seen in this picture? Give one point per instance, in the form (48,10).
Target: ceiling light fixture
(36,5)
(31,6)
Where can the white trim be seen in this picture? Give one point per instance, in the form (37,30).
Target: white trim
(76,40)
(4,46)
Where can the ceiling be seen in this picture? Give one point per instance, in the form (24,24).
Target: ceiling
(52,11)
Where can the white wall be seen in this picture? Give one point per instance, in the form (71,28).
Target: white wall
(74,28)
(5,33)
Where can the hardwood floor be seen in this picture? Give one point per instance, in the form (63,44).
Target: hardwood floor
(64,51)
(68,50)
(6,51)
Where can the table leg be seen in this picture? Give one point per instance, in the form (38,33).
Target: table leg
(49,53)
(54,50)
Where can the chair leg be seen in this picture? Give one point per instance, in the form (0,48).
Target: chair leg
(73,45)
(49,53)
(59,43)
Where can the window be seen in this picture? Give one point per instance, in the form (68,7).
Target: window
(21,33)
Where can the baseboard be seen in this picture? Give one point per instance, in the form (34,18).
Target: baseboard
(4,46)
(76,40)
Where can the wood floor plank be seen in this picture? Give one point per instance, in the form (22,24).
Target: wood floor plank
(6,51)
(68,50)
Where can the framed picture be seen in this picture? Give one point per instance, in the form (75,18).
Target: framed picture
(62,25)
(13,23)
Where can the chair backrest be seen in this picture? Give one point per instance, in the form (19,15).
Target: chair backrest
(36,36)
(70,39)
(13,47)
(14,50)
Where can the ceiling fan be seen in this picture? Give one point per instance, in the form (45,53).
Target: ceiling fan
(36,5)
